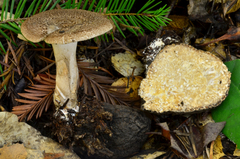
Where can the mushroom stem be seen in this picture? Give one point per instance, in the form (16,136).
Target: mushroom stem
(67,75)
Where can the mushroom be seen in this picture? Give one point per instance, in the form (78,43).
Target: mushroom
(63,28)
(182,79)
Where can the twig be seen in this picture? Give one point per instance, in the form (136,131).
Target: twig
(20,51)
(14,57)
(7,65)
(124,47)
(28,65)
(192,141)
(15,20)
(45,68)
(104,50)
(211,150)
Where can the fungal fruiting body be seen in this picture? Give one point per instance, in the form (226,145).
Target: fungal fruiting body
(183,79)
(63,28)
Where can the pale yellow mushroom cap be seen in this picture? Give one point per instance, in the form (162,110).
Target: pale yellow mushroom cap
(182,79)
(62,26)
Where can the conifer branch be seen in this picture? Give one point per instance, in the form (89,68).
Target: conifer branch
(117,10)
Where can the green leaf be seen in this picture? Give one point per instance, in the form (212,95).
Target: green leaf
(108,7)
(106,37)
(11,9)
(85,5)
(53,6)
(44,3)
(1,70)
(36,7)
(48,4)
(3,7)
(114,21)
(91,6)
(229,110)
(5,26)
(130,5)
(1,46)
(145,11)
(6,11)
(79,4)
(30,9)
(146,18)
(20,8)
(68,4)
(115,4)
(122,6)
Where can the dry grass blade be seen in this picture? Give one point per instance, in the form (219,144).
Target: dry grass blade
(97,84)
(37,99)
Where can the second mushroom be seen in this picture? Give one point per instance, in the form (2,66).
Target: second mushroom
(63,28)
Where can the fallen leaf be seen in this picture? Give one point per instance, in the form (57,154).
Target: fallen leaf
(236,152)
(196,8)
(186,140)
(150,155)
(211,131)
(218,50)
(217,149)
(165,130)
(127,64)
(233,33)
(131,85)
(231,6)
(190,139)
(16,151)
(178,24)
(229,110)
(53,155)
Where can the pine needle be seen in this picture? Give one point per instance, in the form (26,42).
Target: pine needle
(118,11)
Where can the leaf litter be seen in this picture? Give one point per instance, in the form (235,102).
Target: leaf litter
(189,138)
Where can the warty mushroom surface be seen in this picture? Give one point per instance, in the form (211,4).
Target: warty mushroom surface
(63,28)
(182,79)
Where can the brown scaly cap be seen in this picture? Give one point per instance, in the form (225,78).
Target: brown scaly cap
(62,26)
(182,79)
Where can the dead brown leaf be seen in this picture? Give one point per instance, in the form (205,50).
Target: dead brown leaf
(16,151)
(190,139)
(211,131)
(231,6)
(233,33)
(178,24)
(53,155)
(215,48)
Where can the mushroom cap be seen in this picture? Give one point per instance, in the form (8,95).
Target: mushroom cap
(182,79)
(62,26)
